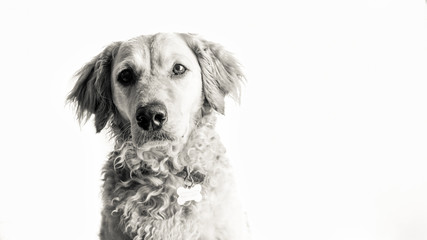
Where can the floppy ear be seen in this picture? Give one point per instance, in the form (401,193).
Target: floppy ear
(221,72)
(92,92)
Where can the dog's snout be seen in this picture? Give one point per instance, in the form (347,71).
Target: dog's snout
(151,116)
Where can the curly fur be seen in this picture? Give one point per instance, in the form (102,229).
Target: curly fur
(140,184)
(142,174)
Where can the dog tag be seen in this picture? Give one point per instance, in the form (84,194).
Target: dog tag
(189,194)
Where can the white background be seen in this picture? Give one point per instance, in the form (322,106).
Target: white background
(330,141)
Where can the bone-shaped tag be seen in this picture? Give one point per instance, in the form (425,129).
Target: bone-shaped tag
(189,194)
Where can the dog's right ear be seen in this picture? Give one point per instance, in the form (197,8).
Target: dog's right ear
(92,92)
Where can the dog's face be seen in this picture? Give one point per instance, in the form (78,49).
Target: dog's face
(155,88)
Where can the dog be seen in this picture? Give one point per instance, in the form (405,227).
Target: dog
(168,176)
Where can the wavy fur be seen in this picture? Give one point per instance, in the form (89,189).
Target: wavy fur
(142,174)
(140,184)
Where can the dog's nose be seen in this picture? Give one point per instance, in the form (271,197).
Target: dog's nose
(151,116)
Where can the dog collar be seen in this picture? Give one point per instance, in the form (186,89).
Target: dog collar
(192,186)
(191,177)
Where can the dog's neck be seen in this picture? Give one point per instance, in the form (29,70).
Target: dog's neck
(184,160)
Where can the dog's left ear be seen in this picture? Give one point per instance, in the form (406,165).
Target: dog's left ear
(221,73)
(92,92)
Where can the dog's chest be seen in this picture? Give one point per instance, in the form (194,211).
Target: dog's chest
(149,205)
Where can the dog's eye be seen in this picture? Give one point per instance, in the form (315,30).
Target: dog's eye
(126,77)
(179,69)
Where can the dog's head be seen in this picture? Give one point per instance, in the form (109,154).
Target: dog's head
(155,88)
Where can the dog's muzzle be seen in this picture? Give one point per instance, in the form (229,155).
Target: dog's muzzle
(152,116)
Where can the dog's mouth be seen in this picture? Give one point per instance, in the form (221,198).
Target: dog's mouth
(145,137)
